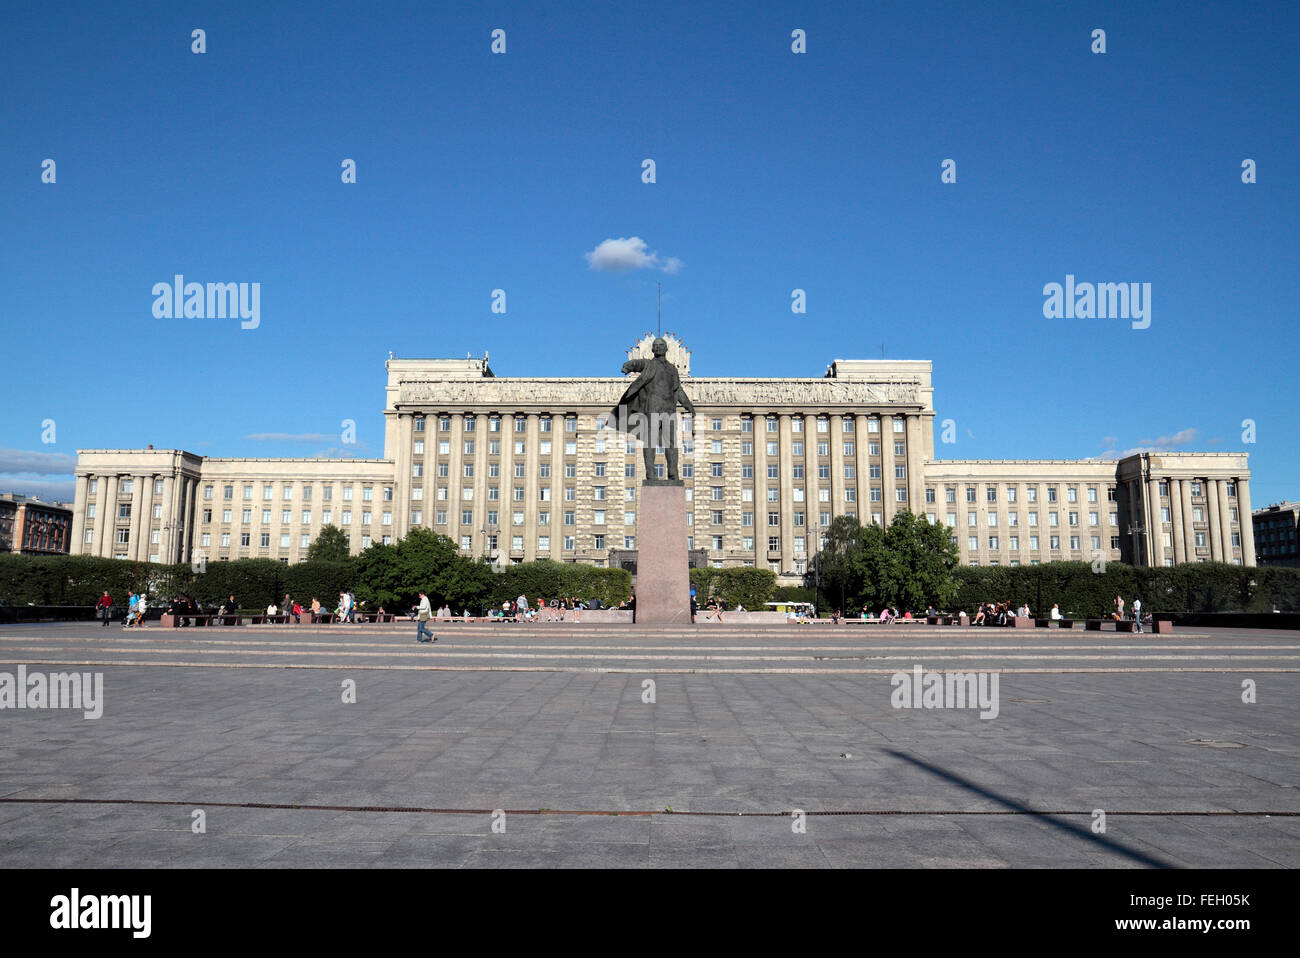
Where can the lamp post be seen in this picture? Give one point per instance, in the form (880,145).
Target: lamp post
(1136,530)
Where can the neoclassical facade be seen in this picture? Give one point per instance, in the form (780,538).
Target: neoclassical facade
(521,468)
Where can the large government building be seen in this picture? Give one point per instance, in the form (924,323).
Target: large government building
(526,468)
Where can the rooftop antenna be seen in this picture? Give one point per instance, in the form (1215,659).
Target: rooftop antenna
(659,319)
(882,350)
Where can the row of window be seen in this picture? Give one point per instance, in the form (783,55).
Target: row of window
(1013,518)
(1054,542)
(600,541)
(630,448)
(127,486)
(544,423)
(715,493)
(1011,494)
(1071,492)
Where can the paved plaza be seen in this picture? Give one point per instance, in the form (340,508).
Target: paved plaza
(554,725)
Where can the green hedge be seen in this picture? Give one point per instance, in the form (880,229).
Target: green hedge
(1081,592)
(547,579)
(734,585)
(450,578)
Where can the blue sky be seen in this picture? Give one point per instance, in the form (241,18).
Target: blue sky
(775,171)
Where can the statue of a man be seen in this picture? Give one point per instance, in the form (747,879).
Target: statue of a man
(648,409)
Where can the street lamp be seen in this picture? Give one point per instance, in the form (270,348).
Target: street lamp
(168,528)
(1135,530)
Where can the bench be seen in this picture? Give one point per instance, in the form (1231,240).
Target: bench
(170,620)
(1054,623)
(269,619)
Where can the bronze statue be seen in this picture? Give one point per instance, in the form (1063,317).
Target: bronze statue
(648,409)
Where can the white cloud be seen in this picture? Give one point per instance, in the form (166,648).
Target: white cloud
(41,488)
(1180,438)
(629,253)
(356,451)
(36,463)
(1159,444)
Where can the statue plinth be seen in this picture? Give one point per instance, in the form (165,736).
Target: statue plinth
(663,581)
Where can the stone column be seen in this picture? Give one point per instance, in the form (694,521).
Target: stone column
(108,503)
(1155,527)
(531,482)
(556,482)
(862,458)
(1216,529)
(506,482)
(77,542)
(838,505)
(886,465)
(1247,522)
(1189,529)
(167,545)
(189,485)
(455,477)
(761,529)
(915,480)
(139,503)
(812,508)
(101,523)
(482,440)
(786,479)
(1176,511)
(1225,518)
(403,457)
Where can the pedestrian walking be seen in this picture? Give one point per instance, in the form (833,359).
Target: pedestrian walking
(104,607)
(422,613)
(1137,614)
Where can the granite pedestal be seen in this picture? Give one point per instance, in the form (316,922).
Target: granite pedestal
(663,583)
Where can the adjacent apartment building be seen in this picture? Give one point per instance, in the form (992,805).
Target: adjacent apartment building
(1277,534)
(522,468)
(34,527)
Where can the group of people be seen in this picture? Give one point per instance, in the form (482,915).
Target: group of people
(1137,612)
(137,606)
(997,613)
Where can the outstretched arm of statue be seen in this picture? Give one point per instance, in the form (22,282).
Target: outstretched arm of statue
(635,365)
(685,401)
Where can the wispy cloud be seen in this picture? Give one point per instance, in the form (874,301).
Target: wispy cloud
(629,253)
(1160,444)
(36,463)
(45,489)
(358,451)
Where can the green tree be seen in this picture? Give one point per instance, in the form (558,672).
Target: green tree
(841,576)
(330,545)
(915,563)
